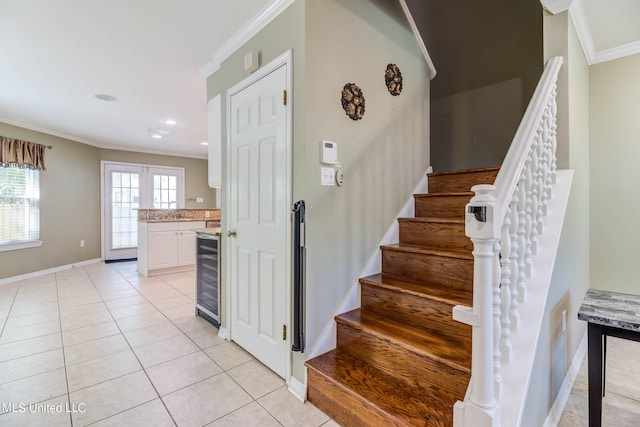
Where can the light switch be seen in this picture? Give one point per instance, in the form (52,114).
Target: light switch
(199,199)
(328,176)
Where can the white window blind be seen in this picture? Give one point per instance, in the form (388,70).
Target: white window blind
(19,205)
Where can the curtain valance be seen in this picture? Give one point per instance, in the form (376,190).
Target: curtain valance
(21,154)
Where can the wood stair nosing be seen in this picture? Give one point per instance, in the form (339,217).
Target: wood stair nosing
(429,290)
(441,205)
(450,272)
(410,309)
(446,350)
(435,233)
(425,250)
(413,368)
(461,180)
(349,391)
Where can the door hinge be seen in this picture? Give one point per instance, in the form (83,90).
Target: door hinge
(284,332)
(284,97)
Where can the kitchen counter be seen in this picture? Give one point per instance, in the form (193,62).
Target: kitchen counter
(178,215)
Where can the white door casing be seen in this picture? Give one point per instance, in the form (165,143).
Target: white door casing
(259,170)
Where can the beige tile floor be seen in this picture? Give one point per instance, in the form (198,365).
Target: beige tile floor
(100,345)
(621,404)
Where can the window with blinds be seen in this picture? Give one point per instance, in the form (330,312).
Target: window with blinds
(19,205)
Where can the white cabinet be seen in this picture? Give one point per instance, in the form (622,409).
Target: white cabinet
(166,247)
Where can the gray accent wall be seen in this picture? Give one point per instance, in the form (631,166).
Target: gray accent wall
(70,200)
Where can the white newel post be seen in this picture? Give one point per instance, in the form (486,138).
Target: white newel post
(484,229)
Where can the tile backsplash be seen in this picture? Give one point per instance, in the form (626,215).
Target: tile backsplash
(178,214)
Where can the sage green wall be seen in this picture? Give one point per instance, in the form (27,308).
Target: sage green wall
(195,173)
(615,148)
(70,200)
(570,278)
(69,206)
(383,156)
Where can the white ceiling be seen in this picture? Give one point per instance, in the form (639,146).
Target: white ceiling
(57,55)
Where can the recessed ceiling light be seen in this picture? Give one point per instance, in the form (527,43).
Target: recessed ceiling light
(204,143)
(170,122)
(156,136)
(105,97)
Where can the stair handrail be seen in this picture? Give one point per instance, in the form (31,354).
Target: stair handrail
(503,221)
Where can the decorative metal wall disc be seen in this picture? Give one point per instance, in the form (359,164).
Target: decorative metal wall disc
(393,79)
(353,101)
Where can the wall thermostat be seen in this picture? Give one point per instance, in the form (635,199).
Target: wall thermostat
(329,152)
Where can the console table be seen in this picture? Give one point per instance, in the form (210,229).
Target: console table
(608,314)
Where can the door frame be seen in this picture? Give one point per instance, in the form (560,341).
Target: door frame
(283,60)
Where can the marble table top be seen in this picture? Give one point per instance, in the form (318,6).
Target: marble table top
(611,309)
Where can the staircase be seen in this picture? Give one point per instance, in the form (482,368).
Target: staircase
(401,360)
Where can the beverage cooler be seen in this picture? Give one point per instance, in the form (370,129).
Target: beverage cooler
(208,277)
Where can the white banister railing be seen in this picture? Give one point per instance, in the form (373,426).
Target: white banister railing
(504,221)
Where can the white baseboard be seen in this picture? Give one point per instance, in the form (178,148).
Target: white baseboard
(555,413)
(298,389)
(48,271)
(223,333)
(327,340)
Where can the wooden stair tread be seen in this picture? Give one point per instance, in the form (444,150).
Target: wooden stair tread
(428,290)
(432,219)
(419,249)
(449,350)
(409,405)
(454,194)
(463,171)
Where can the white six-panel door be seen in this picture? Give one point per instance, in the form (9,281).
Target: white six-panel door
(259,215)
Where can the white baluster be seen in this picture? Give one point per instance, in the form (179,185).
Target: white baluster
(528,262)
(533,237)
(505,288)
(514,313)
(540,212)
(497,325)
(554,142)
(522,242)
(546,156)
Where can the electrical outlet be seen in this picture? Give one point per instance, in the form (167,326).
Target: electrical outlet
(82,243)
(564,320)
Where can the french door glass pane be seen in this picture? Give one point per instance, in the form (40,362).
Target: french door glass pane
(125,197)
(165,191)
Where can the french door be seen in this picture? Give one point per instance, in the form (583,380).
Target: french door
(127,188)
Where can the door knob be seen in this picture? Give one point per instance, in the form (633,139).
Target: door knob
(232,233)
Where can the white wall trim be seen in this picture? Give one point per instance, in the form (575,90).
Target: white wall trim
(298,389)
(556,6)
(555,413)
(48,271)
(250,29)
(223,333)
(579,19)
(327,340)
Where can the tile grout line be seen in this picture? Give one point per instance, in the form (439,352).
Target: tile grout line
(64,356)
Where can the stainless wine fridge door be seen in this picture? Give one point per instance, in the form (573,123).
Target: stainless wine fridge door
(208,277)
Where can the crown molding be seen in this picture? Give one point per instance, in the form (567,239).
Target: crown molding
(250,29)
(556,6)
(586,40)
